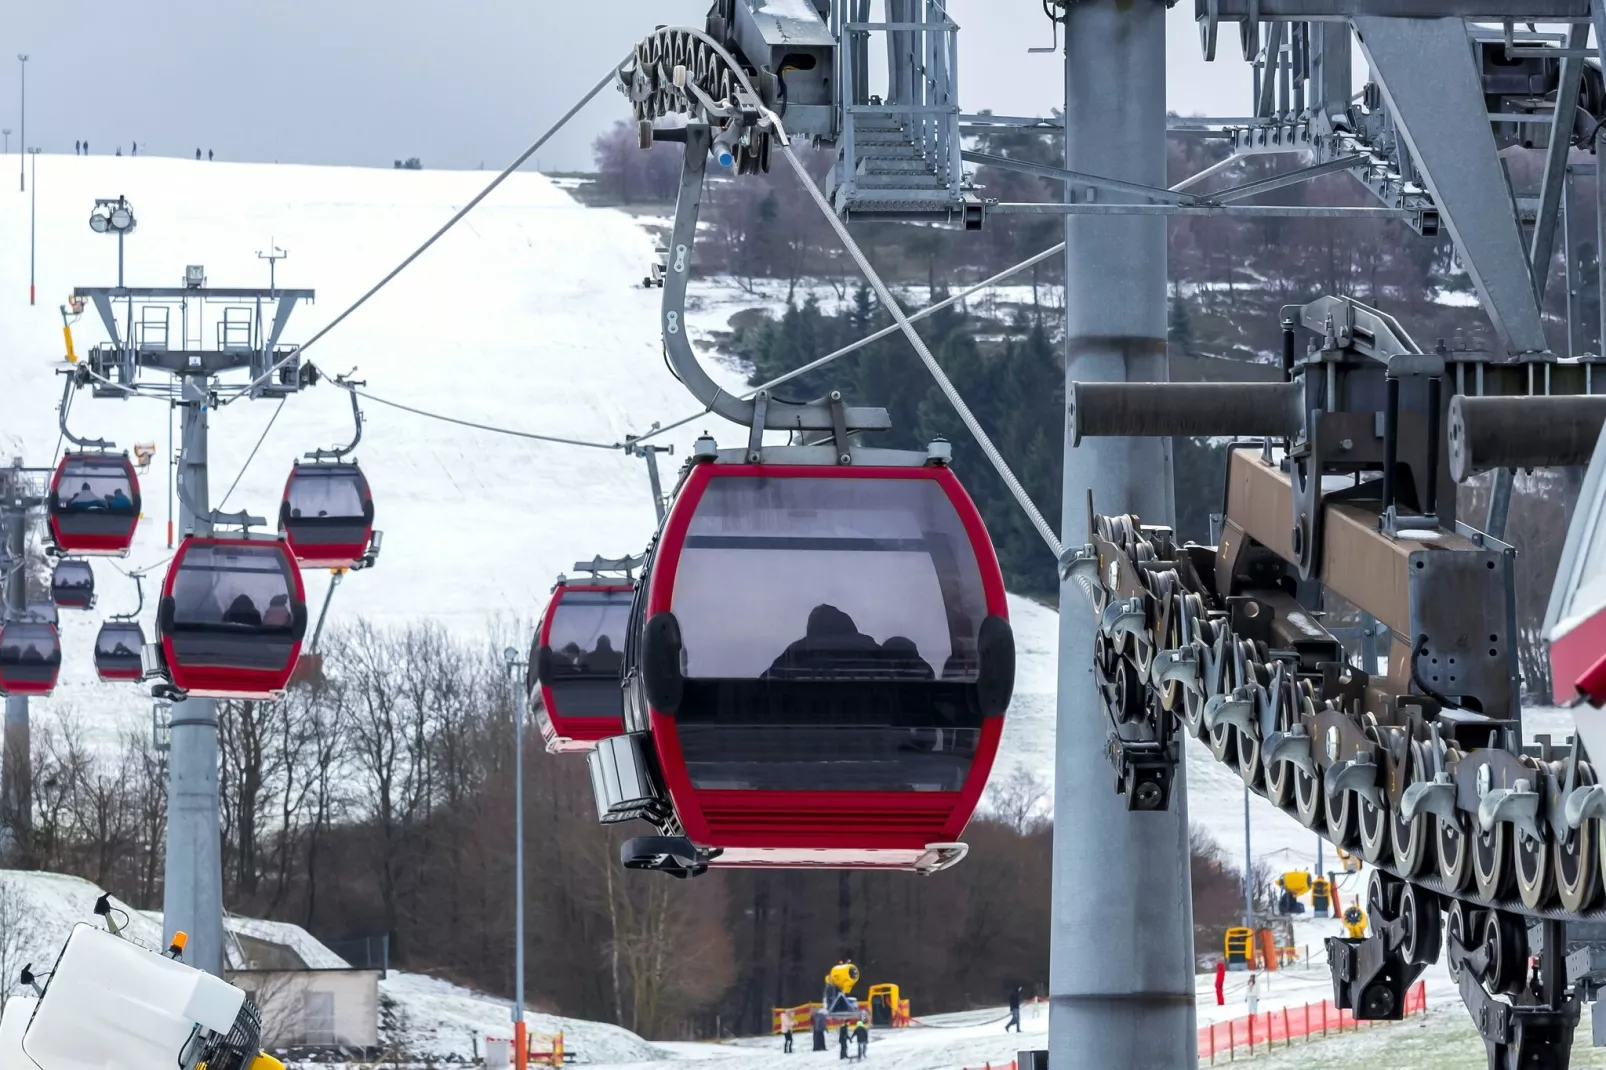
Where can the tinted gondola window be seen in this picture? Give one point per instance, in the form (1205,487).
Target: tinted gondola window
(830,633)
(29,643)
(314,495)
(92,485)
(72,581)
(239,586)
(587,637)
(828,579)
(119,641)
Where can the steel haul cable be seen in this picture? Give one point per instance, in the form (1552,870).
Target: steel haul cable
(608,80)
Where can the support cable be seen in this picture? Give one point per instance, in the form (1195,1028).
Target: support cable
(483,427)
(946,385)
(260,439)
(853,347)
(888,301)
(610,79)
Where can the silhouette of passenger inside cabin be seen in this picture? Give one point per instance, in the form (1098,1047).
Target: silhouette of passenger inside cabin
(604,660)
(832,647)
(278,614)
(571,657)
(84,498)
(243,611)
(119,500)
(903,661)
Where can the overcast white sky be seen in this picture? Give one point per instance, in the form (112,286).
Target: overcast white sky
(454,83)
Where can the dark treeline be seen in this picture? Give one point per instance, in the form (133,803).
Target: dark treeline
(381,803)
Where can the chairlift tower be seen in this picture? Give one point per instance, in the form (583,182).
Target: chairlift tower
(188,344)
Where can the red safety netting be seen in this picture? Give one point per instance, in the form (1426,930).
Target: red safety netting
(1268,1029)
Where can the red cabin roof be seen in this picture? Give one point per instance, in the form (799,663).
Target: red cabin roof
(844,641)
(232,617)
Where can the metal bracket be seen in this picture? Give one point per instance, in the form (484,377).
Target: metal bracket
(1236,709)
(1357,774)
(1436,797)
(1583,804)
(1293,746)
(1080,565)
(1180,666)
(1517,806)
(813,416)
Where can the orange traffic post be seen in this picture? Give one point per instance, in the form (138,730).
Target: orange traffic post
(521,1046)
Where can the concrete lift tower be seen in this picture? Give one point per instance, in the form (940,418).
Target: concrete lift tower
(188,344)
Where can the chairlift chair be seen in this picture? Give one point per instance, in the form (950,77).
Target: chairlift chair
(94,504)
(822,658)
(232,617)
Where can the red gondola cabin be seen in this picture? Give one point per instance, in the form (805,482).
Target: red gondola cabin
(94,504)
(30,657)
(117,648)
(232,616)
(327,515)
(823,658)
(72,584)
(576,662)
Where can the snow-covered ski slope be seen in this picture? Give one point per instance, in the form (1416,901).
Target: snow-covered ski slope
(529,315)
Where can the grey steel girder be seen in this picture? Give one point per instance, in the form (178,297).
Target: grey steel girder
(1550,190)
(1340,10)
(1429,79)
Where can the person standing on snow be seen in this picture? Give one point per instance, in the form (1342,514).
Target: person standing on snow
(842,1040)
(1253,998)
(1014,1009)
(862,1035)
(786,1031)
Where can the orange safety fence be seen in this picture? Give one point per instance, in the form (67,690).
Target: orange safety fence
(1269,1029)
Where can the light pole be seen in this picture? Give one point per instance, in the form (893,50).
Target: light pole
(33,212)
(521,1043)
(113,215)
(22,134)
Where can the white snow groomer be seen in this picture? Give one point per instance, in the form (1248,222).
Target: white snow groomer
(112,1003)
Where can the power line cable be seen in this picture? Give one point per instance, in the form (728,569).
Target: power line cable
(609,79)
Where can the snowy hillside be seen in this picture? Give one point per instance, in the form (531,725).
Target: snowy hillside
(528,315)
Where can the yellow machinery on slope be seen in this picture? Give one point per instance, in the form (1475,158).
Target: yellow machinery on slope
(1239,949)
(1354,922)
(839,985)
